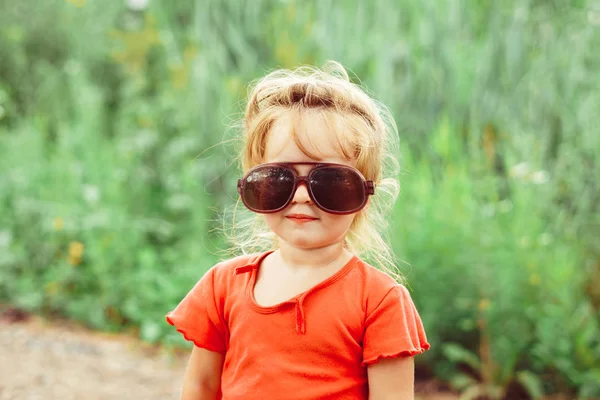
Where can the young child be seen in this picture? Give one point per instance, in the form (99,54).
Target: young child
(307,318)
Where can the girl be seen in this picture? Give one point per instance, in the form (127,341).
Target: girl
(306,317)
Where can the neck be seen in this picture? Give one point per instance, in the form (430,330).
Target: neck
(300,258)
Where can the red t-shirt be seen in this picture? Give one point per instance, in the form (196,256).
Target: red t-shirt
(316,345)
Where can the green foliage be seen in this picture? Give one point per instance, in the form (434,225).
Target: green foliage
(116,157)
(500,255)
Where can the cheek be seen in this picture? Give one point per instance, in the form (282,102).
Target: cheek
(276,224)
(273,220)
(339,223)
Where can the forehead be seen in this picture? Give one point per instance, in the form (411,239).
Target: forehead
(306,136)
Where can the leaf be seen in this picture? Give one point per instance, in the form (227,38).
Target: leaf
(531,383)
(456,353)
(472,393)
(150,331)
(461,381)
(591,384)
(441,139)
(482,391)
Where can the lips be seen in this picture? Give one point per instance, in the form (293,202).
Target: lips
(300,217)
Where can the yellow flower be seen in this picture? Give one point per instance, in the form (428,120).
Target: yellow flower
(286,51)
(308,28)
(144,122)
(180,73)
(74,261)
(75,249)
(77,3)
(106,240)
(52,288)
(484,304)
(534,279)
(136,45)
(235,86)
(58,224)
(179,76)
(75,253)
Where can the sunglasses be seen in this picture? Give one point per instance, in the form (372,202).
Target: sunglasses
(334,188)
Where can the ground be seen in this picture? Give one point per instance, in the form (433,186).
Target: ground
(57,360)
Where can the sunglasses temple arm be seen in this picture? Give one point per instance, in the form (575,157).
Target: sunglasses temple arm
(370,187)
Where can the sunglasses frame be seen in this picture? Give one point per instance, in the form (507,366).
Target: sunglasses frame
(369,186)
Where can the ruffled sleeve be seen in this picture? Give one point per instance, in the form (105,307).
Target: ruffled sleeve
(393,328)
(198,318)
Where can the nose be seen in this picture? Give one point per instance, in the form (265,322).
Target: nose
(301,195)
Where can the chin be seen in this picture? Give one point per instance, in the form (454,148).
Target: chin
(303,242)
(305,236)
(307,241)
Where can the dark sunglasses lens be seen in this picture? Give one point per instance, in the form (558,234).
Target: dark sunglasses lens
(268,188)
(337,189)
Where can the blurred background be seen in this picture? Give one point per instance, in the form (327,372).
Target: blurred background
(117,160)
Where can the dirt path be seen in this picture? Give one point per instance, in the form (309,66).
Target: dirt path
(47,361)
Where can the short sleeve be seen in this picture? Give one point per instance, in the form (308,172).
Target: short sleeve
(393,328)
(197,316)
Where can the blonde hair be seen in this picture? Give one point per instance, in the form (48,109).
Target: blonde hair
(365,131)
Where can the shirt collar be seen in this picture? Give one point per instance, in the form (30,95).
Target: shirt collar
(252,264)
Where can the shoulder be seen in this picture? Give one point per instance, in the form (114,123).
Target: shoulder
(223,274)
(228,267)
(378,285)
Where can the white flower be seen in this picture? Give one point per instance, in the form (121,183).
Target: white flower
(172,182)
(545,239)
(91,194)
(521,14)
(96,220)
(505,206)
(119,175)
(5,239)
(521,170)
(72,67)
(142,141)
(180,146)
(540,177)
(488,210)
(179,202)
(524,241)
(137,5)
(594,17)
(145,139)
